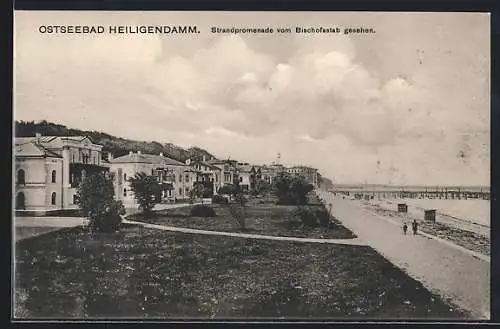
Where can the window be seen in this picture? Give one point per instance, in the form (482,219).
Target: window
(20,201)
(124,176)
(20,177)
(187,178)
(75,199)
(53,176)
(180,178)
(241,179)
(180,191)
(53,201)
(124,192)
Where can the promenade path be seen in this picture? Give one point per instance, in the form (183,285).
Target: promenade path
(31,226)
(440,267)
(352,242)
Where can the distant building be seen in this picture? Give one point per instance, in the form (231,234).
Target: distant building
(229,171)
(208,174)
(176,178)
(245,177)
(269,173)
(48,170)
(310,174)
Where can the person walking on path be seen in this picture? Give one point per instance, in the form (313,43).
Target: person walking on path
(414,227)
(405,228)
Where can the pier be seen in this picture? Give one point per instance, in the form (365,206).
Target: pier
(367,192)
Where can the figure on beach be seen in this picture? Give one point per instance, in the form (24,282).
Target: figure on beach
(414,227)
(405,228)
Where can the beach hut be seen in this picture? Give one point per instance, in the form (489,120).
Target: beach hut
(430,215)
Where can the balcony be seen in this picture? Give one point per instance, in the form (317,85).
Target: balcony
(78,172)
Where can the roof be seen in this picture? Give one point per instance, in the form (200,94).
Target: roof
(245,168)
(52,142)
(30,149)
(216,161)
(206,164)
(147,158)
(302,167)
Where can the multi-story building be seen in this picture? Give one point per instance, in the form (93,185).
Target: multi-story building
(310,174)
(245,178)
(208,174)
(228,171)
(176,178)
(48,170)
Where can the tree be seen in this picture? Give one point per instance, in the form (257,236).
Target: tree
(197,191)
(226,189)
(262,186)
(95,197)
(292,189)
(147,191)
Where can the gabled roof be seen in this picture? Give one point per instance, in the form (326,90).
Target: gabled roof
(52,141)
(30,149)
(147,158)
(205,164)
(245,168)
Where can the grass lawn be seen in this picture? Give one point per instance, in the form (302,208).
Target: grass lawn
(140,272)
(467,239)
(28,232)
(261,218)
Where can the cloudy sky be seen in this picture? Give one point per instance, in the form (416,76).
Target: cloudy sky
(407,105)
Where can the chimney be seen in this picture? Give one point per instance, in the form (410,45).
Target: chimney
(110,156)
(161,154)
(138,152)
(37,137)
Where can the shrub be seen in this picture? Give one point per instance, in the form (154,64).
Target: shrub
(323,216)
(95,199)
(202,211)
(219,199)
(313,216)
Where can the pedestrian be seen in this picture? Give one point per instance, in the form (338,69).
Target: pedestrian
(405,228)
(414,227)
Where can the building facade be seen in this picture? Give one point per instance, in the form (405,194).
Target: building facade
(48,170)
(207,174)
(228,171)
(310,174)
(176,178)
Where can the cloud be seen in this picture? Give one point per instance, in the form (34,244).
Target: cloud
(316,99)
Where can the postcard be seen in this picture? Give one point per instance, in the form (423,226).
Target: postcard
(251,166)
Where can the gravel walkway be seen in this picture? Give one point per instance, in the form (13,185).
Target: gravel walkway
(355,242)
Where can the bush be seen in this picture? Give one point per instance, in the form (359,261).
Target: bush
(313,216)
(96,200)
(202,211)
(291,190)
(219,199)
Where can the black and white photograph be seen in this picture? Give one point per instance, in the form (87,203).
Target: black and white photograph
(252,166)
